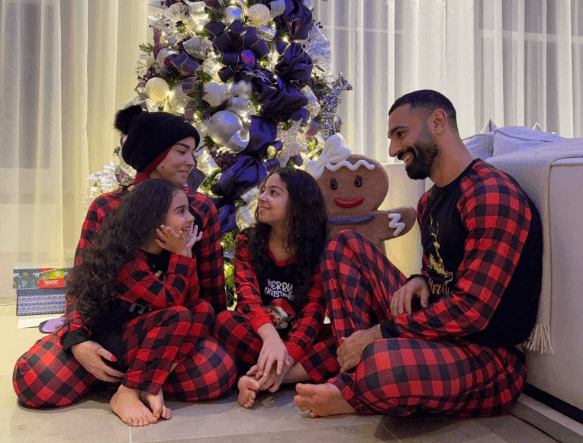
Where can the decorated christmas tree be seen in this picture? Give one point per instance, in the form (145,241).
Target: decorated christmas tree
(253,76)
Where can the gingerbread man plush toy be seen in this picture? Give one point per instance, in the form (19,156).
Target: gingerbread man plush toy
(354,186)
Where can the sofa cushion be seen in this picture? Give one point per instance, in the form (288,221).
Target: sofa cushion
(482,145)
(518,138)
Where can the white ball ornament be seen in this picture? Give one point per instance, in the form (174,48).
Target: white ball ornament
(259,15)
(223,125)
(231,14)
(157,88)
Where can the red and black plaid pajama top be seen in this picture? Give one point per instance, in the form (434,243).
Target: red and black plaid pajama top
(482,261)
(269,299)
(48,375)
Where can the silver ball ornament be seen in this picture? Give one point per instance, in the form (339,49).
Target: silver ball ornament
(310,4)
(178,99)
(231,14)
(223,125)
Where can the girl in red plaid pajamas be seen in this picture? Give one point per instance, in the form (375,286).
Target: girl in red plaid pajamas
(443,341)
(139,312)
(277,325)
(64,365)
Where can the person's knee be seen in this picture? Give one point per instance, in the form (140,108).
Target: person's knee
(180,315)
(28,380)
(220,374)
(204,313)
(224,323)
(375,375)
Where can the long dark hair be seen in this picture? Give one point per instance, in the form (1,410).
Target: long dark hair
(131,224)
(308,231)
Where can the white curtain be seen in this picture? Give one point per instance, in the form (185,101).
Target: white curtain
(517,62)
(66,66)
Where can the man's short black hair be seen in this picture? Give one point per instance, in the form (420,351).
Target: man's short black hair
(428,100)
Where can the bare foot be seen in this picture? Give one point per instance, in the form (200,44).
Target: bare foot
(126,404)
(156,404)
(321,400)
(248,388)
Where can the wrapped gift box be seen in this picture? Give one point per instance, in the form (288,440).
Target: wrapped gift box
(27,276)
(40,289)
(40,301)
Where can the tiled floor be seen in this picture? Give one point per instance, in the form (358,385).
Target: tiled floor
(273,419)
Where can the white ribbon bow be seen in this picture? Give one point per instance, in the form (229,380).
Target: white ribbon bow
(334,152)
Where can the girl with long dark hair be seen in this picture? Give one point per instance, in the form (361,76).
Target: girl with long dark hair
(277,327)
(136,290)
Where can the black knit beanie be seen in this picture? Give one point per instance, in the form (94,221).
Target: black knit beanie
(149,134)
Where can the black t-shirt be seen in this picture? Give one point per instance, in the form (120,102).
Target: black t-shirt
(276,285)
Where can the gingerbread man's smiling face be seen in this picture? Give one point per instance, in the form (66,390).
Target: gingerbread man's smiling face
(355,189)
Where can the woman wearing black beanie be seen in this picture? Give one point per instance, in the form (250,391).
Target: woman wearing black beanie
(64,365)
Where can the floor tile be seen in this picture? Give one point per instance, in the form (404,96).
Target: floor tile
(364,433)
(271,413)
(513,430)
(90,420)
(558,426)
(439,429)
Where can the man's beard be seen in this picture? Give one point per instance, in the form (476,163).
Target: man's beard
(424,155)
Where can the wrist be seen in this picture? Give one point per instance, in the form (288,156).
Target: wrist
(419,276)
(375,333)
(267,332)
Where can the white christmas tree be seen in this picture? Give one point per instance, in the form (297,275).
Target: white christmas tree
(253,76)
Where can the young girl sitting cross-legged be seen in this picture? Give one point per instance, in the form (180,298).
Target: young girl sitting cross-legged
(130,289)
(278,327)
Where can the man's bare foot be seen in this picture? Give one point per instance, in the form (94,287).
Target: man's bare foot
(126,404)
(156,404)
(248,388)
(321,400)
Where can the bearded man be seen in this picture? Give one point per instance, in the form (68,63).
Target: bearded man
(442,341)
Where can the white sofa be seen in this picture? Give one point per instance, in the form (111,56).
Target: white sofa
(559,374)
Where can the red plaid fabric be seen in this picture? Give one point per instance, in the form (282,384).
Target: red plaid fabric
(309,320)
(137,284)
(235,332)
(209,373)
(154,341)
(400,375)
(49,376)
(209,252)
(98,211)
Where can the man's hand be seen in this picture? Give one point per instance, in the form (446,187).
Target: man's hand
(402,298)
(91,355)
(349,353)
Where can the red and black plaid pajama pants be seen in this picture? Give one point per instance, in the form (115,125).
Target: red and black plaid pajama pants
(49,376)
(399,376)
(234,331)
